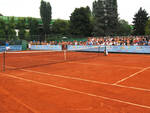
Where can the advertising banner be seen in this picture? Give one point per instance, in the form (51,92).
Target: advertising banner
(121,49)
(11,48)
(46,47)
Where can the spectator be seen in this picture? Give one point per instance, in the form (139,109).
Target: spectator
(115,41)
(149,42)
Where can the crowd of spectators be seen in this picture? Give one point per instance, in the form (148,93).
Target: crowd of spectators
(115,41)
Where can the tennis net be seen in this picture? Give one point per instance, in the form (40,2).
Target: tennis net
(30,59)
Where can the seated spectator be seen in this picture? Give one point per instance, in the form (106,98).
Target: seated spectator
(149,43)
(115,41)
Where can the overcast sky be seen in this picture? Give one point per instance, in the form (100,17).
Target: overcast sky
(63,8)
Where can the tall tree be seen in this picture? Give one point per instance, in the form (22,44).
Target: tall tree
(111,17)
(105,17)
(80,22)
(45,12)
(99,18)
(139,21)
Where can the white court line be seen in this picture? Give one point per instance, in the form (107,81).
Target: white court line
(18,101)
(15,52)
(107,65)
(85,80)
(76,91)
(131,75)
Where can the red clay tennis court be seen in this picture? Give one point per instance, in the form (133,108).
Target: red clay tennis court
(46,83)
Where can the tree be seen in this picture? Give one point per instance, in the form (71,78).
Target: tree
(1,14)
(80,22)
(105,17)
(60,27)
(2,30)
(147,28)
(33,29)
(124,28)
(99,18)
(7,29)
(21,25)
(139,22)
(111,22)
(10,29)
(45,12)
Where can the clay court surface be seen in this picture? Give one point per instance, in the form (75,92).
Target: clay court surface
(118,83)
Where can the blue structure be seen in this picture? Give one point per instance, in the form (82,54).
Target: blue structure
(116,49)
(12,48)
(46,47)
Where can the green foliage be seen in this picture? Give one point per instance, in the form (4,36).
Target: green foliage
(2,30)
(45,12)
(10,30)
(105,17)
(80,22)
(33,28)
(7,30)
(60,27)
(124,28)
(22,28)
(111,17)
(99,18)
(139,22)
(147,28)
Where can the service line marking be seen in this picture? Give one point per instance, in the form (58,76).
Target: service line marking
(126,78)
(86,80)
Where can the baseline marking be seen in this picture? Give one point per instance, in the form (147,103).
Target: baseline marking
(131,76)
(75,91)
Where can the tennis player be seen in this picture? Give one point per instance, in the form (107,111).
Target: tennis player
(106,51)
(7,46)
(29,46)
